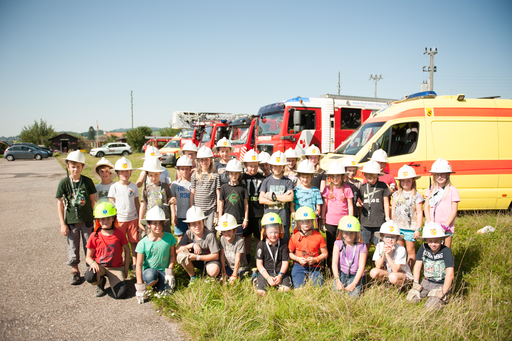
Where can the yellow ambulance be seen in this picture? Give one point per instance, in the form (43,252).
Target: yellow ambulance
(474,135)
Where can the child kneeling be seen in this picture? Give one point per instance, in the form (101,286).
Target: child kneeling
(438,270)
(349,257)
(272,256)
(104,253)
(232,248)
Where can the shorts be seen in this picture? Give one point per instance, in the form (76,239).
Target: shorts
(239,230)
(240,273)
(253,227)
(199,264)
(181,228)
(408,235)
(263,284)
(366,234)
(448,234)
(130,228)
(115,279)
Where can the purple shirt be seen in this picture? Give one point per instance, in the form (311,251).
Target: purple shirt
(349,257)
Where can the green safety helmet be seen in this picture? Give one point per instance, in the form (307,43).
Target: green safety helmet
(305,213)
(349,223)
(104,210)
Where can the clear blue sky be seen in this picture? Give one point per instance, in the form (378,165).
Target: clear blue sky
(73,63)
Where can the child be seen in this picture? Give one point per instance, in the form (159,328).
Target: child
(290,170)
(407,210)
(233,197)
(438,270)
(205,186)
(272,256)
(392,255)
(374,207)
(264,164)
(156,255)
(252,180)
(338,202)
(103,171)
(314,155)
(164,173)
(442,199)
(180,189)
(276,191)
(189,150)
(75,202)
(105,253)
(154,191)
(381,157)
(349,258)
(307,249)
(125,197)
(224,149)
(198,248)
(233,263)
(305,194)
(351,168)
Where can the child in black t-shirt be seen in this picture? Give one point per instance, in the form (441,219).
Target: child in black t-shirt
(233,198)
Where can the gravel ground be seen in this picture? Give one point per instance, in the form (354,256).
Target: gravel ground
(36,300)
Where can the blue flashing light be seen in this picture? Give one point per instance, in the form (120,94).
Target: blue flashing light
(223,121)
(298,99)
(418,95)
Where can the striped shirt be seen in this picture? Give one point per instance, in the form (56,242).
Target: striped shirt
(205,196)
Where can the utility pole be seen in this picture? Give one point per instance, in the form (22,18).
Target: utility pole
(431,68)
(339,83)
(376,78)
(132,109)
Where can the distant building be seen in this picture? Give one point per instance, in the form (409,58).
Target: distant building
(120,137)
(64,142)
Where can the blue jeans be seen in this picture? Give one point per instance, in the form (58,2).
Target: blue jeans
(150,275)
(300,272)
(240,273)
(348,279)
(181,228)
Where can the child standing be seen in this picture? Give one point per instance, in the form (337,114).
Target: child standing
(277,191)
(349,258)
(205,187)
(338,202)
(442,199)
(233,198)
(375,204)
(407,210)
(156,255)
(103,171)
(125,197)
(392,255)
(189,150)
(438,270)
(290,170)
(105,253)
(314,155)
(305,194)
(75,202)
(164,172)
(351,168)
(224,149)
(233,263)
(264,164)
(272,256)
(180,189)
(381,157)
(307,249)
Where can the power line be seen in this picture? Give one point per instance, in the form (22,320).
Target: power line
(376,78)
(432,52)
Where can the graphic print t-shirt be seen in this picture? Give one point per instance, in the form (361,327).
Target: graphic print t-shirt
(253,184)
(234,197)
(373,204)
(108,250)
(434,265)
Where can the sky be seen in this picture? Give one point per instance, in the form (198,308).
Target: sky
(74,63)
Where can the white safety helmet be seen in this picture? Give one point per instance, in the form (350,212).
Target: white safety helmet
(336,168)
(234,166)
(306,167)
(104,162)
(380,156)
(152,151)
(349,161)
(189,146)
(223,143)
(371,167)
(226,222)
(156,213)
(194,213)
(184,161)
(433,230)
(389,227)
(407,172)
(251,156)
(264,157)
(123,164)
(291,154)
(152,164)
(76,156)
(278,159)
(441,166)
(204,152)
(313,151)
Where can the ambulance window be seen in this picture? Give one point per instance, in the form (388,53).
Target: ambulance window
(350,118)
(307,120)
(404,138)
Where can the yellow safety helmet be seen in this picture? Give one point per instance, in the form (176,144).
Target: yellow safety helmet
(271,220)
(305,213)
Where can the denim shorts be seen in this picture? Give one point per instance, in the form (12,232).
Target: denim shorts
(181,228)
(408,235)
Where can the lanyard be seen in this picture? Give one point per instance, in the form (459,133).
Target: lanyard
(76,201)
(277,251)
(345,256)
(407,208)
(370,197)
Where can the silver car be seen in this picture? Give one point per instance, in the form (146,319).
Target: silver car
(112,149)
(23,152)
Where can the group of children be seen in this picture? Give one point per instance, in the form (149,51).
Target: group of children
(295,210)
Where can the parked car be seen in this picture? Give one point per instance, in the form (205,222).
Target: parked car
(48,151)
(112,149)
(170,152)
(23,152)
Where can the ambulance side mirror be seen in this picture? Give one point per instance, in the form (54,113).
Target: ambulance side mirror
(297,120)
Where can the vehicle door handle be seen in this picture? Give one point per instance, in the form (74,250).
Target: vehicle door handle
(414,164)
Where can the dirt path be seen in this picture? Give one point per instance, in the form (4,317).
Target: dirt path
(36,300)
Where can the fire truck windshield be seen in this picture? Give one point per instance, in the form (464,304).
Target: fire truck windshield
(238,134)
(187,133)
(207,135)
(359,138)
(270,124)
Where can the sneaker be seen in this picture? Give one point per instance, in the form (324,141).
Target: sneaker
(100,288)
(192,280)
(254,277)
(75,278)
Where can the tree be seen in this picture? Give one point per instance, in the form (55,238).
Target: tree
(168,131)
(136,137)
(91,134)
(38,133)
